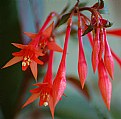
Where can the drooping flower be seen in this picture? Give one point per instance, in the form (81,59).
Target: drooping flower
(28,55)
(59,83)
(108,59)
(82,65)
(44,89)
(115,32)
(104,83)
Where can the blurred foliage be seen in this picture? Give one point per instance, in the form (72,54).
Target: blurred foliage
(10,78)
(13,83)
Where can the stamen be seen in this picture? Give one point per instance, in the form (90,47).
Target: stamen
(23,63)
(29,60)
(28,63)
(45,104)
(25,58)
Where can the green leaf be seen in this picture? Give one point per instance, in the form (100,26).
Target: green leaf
(89,29)
(83,4)
(64,19)
(65,8)
(109,24)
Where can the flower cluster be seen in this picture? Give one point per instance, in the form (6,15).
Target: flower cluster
(50,91)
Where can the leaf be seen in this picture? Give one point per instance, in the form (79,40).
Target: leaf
(65,9)
(89,29)
(64,19)
(109,24)
(82,4)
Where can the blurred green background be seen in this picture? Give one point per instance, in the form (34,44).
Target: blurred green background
(17,16)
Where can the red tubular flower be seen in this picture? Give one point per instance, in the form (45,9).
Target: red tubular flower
(44,90)
(115,32)
(29,57)
(104,83)
(59,83)
(108,59)
(95,50)
(82,65)
(45,39)
(102,44)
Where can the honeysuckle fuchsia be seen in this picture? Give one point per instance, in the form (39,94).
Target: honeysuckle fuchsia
(28,55)
(37,47)
(82,65)
(59,83)
(104,84)
(51,91)
(46,41)
(44,89)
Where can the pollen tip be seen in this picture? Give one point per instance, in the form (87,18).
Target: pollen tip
(45,104)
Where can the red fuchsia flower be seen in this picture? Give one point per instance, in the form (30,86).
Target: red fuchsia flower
(29,57)
(108,59)
(44,89)
(115,32)
(104,83)
(46,40)
(59,83)
(82,65)
(95,50)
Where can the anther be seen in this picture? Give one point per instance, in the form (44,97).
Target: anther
(25,58)
(45,104)
(23,63)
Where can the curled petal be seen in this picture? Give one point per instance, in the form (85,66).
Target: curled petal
(33,66)
(14,60)
(19,45)
(30,35)
(55,47)
(38,61)
(105,85)
(32,98)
